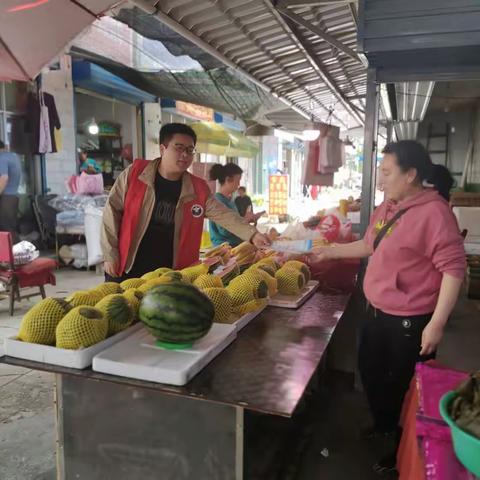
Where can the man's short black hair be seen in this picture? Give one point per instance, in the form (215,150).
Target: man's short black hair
(170,129)
(2,145)
(243,189)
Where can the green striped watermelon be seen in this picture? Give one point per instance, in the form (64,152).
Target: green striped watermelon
(176,313)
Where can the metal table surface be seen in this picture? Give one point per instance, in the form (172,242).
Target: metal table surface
(266,369)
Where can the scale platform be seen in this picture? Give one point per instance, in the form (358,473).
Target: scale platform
(294,301)
(139,357)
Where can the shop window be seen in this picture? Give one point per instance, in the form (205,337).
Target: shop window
(16,97)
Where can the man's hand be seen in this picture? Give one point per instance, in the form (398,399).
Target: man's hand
(111,268)
(431,336)
(260,240)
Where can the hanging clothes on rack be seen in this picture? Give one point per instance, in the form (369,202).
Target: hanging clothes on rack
(41,109)
(323,156)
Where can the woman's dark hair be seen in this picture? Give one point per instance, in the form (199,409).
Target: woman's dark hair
(412,154)
(2,145)
(170,129)
(222,172)
(442,180)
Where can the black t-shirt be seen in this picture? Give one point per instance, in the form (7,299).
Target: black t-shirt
(156,247)
(242,204)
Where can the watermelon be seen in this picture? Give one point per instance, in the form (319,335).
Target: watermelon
(176,313)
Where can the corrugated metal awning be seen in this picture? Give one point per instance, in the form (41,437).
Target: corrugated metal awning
(304,52)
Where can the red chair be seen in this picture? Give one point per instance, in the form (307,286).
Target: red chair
(37,273)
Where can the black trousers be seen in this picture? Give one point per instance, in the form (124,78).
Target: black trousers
(388,350)
(8,215)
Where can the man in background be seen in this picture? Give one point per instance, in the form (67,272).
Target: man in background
(10,175)
(243,202)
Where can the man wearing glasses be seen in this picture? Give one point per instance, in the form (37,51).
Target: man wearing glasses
(155,211)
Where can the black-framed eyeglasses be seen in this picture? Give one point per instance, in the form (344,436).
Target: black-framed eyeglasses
(180,148)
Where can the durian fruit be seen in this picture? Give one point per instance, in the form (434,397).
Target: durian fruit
(191,273)
(82,327)
(270,262)
(173,275)
(108,288)
(134,297)
(290,281)
(251,306)
(154,282)
(208,281)
(246,288)
(299,266)
(162,270)
(265,267)
(39,323)
(271,282)
(84,297)
(150,276)
(222,302)
(117,311)
(132,283)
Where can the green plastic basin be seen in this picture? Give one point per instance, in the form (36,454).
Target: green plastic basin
(466,446)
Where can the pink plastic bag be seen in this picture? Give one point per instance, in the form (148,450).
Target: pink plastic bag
(90,184)
(71,184)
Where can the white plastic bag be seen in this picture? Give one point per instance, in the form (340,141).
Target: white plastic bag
(93,226)
(297,231)
(79,254)
(24,252)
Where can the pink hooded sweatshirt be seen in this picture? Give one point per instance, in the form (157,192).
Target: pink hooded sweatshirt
(404,273)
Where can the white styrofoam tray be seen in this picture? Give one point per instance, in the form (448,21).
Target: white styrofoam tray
(294,301)
(61,356)
(244,320)
(138,357)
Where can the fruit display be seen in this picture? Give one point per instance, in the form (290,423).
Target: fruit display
(150,276)
(134,297)
(177,314)
(222,303)
(117,311)
(190,274)
(108,288)
(208,280)
(299,266)
(84,297)
(290,281)
(245,288)
(223,251)
(251,306)
(132,283)
(270,280)
(244,254)
(40,322)
(82,327)
(154,282)
(270,262)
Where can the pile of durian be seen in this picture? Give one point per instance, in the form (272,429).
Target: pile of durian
(87,317)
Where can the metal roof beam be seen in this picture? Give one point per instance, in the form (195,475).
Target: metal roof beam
(281,8)
(318,66)
(312,3)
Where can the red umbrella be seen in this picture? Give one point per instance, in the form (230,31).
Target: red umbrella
(35,32)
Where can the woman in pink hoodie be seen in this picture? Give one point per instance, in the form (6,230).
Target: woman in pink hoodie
(412,281)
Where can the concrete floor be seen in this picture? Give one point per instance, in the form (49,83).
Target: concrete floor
(27,439)
(27,425)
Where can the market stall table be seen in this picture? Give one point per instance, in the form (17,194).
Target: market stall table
(115,427)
